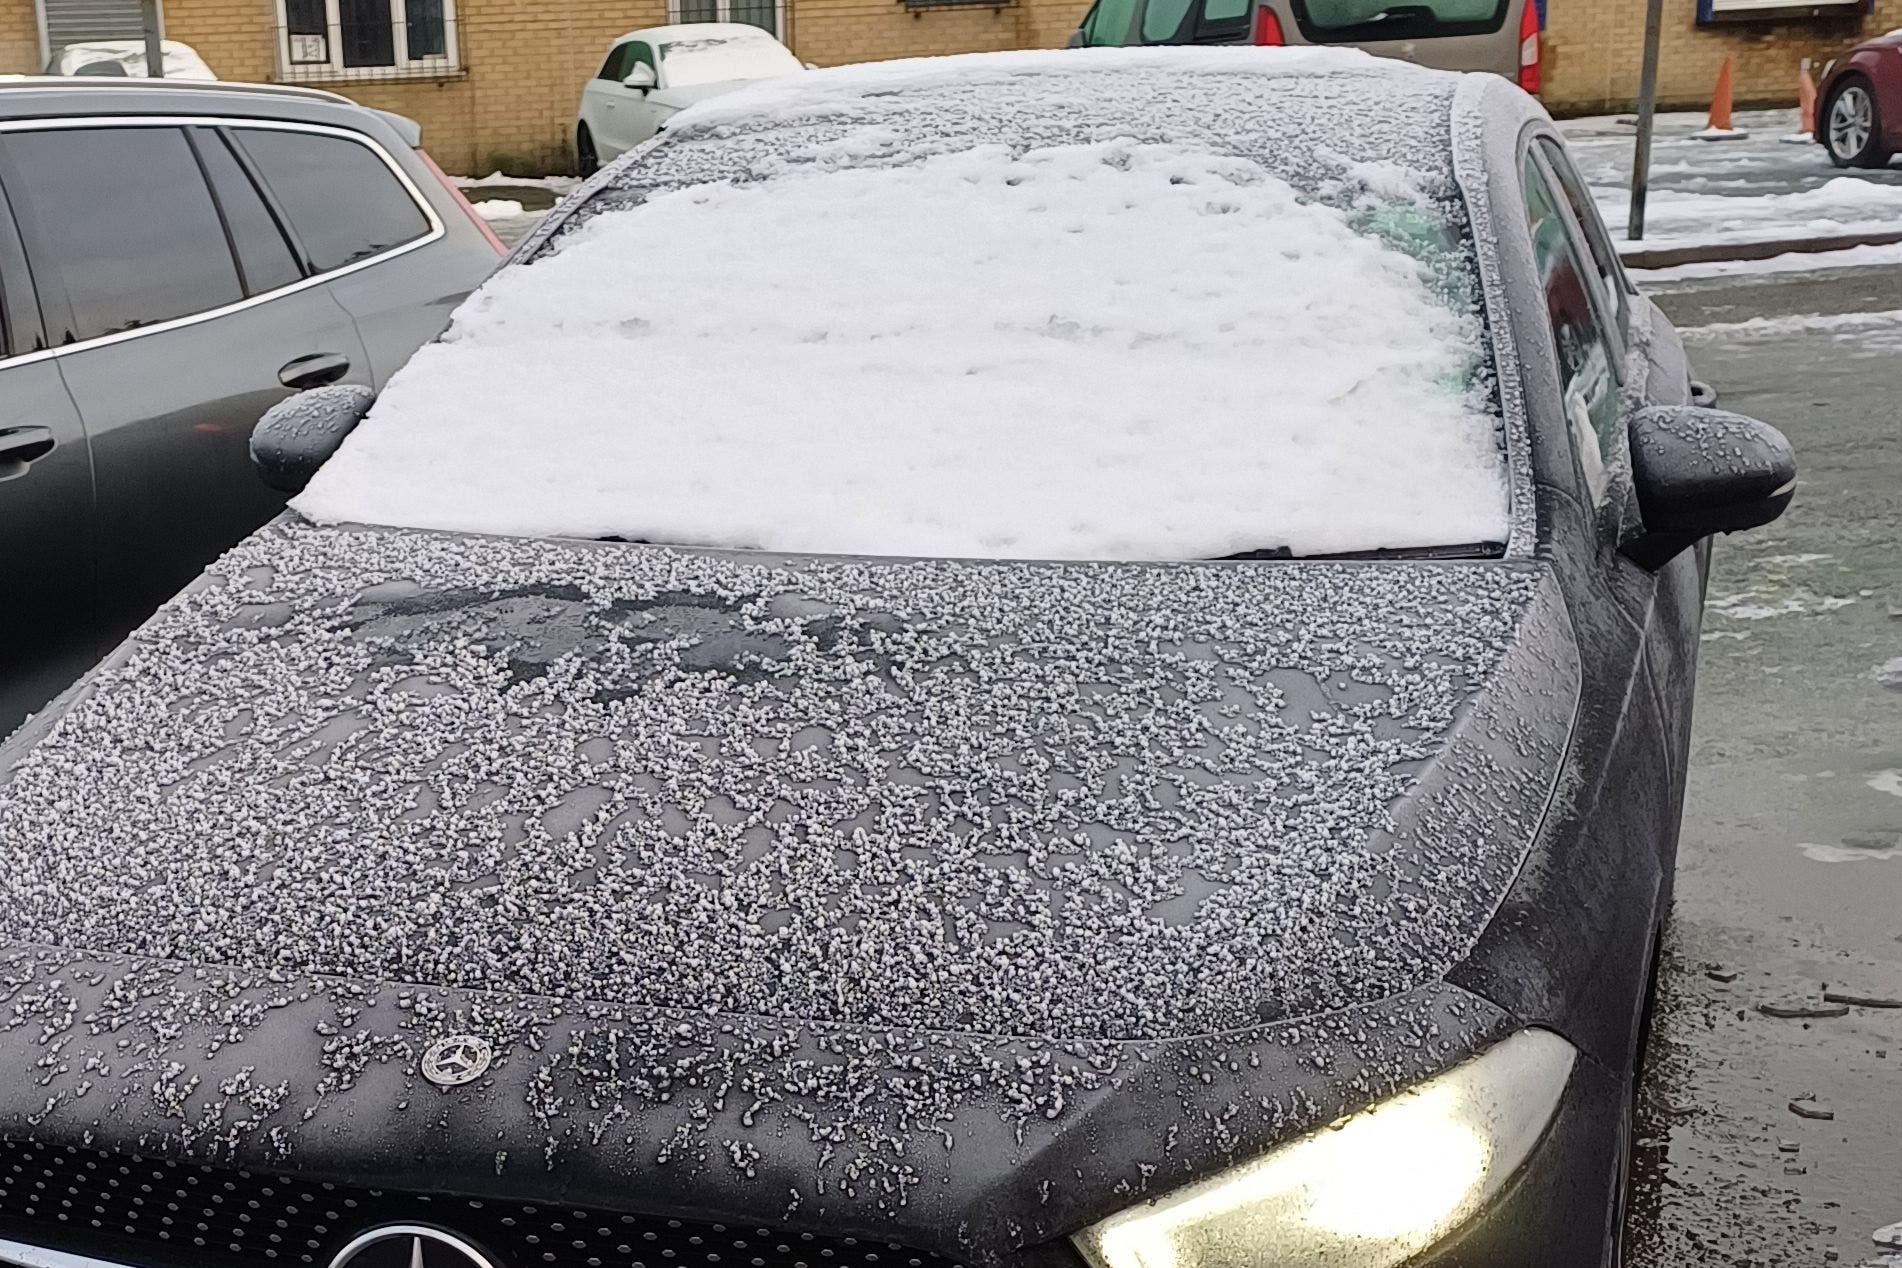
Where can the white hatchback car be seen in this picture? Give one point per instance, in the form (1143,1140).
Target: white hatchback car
(651,73)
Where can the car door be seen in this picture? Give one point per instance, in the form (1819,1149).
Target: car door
(1668,603)
(46,505)
(638,115)
(180,316)
(600,98)
(362,228)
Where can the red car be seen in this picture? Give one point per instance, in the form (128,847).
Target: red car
(1860,123)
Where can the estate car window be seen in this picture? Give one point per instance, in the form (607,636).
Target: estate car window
(343,201)
(1352,20)
(1586,373)
(264,257)
(1109,22)
(1162,19)
(127,223)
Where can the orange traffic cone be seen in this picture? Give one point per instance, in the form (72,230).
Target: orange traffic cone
(1720,100)
(1719,127)
(1805,133)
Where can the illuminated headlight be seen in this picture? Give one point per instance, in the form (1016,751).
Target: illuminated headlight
(1370,1191)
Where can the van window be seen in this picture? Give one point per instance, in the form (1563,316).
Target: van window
(1343,21)
(343,201)
(128,224)
(1162,19)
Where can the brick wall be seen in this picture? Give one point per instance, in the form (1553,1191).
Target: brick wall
(1594,48)
(19,37)
(525,61)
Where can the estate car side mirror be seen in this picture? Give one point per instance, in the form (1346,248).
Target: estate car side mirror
(299,433)
(1699,471)
(641,78)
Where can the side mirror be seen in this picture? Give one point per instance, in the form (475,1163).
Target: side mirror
(1701,471)
(641,78)
(299,433)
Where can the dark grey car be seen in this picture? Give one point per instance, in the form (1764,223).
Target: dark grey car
(175,259)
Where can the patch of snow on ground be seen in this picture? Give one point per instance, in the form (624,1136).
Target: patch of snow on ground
(1844,205)
(1794,324)
(1844,853)
(1753,606)
(499,209)
(1790,262)
(1887,781)
(1889,672)
(1100,361)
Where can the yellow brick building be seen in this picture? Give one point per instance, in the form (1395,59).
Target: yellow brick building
(495,82)
(1593,50)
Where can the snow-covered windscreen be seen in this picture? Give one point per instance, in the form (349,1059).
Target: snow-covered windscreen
(715,59)
(1159,303)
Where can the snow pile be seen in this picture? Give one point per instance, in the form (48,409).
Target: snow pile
(181,60)
(499,209)
(1114,348)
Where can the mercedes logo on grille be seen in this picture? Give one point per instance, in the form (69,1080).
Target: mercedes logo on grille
(456,1060)
(410,1246)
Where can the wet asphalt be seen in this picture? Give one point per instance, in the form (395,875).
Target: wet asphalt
(1765,1139)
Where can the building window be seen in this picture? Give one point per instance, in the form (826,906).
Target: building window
(365,39)
(764,14)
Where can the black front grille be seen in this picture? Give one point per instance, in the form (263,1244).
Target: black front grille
(155,1214)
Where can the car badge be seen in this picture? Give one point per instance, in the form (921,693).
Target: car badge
(456,1060)
(410,1246)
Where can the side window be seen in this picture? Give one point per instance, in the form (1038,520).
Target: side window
(265,261)
(343,202)
(123,217)
(1604,256)
(1162,20)
(1109,23)
(643,54)
(1587,376)
(614,69)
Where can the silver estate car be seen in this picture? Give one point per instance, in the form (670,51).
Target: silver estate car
(1502,36)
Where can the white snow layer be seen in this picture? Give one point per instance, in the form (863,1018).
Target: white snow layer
(1104,350)
(1844,205)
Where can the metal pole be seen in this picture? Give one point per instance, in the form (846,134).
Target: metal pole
(1647,113)
(154,40)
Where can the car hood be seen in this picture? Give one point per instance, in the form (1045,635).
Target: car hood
(827,863)
(679,98)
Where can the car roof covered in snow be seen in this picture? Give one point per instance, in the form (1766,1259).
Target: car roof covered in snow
(697,31)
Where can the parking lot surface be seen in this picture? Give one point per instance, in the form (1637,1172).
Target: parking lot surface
(1768,1139)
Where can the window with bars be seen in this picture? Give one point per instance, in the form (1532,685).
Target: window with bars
(764,14)
(366,39)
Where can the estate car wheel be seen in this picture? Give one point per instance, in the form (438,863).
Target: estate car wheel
(586,160)
(1853,126)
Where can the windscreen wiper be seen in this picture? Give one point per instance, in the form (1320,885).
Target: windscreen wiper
(1469,550)
(1401,13)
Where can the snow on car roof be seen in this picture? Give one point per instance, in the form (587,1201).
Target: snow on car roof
(1094,304)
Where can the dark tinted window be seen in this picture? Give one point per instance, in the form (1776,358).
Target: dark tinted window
(1587,376)
(1604,256)
(264,257)
(611,69)
(344,202)
(128,222)
(1344,20)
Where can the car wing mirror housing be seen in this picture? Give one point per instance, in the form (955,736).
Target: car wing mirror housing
(1699,471)
(641,78)
(299,433)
